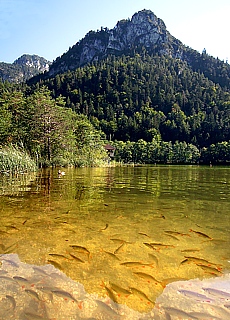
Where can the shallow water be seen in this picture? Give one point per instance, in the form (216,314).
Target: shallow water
(44,292)
(121,232)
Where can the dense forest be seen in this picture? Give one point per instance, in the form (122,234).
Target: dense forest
(131,98)
(153,108)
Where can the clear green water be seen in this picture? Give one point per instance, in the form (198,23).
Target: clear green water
(114,214)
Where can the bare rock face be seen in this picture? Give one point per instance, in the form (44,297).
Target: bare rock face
(143,29)
(33,61)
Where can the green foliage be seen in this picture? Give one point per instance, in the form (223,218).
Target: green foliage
(51,133)
(216,153)
(5,124)
(142,95)
(51,128)
(168,153)
(163,109)
(13,105)
(89,144)
(156,152)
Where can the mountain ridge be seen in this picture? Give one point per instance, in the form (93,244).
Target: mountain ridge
(136,81)
(143,29)
(143,32)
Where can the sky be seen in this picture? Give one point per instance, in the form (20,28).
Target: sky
(49,27)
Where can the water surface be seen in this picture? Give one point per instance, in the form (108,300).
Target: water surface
(123,232)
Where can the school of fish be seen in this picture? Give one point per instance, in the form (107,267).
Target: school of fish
(44,292)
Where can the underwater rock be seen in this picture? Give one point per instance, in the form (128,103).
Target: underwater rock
(195,299)
(44,292)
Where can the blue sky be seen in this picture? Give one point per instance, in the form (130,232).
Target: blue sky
(49,27)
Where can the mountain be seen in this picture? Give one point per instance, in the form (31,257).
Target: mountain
(143,30)
(24,68)
(136,81)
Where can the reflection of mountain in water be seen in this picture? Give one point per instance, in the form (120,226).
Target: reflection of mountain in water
(43,292)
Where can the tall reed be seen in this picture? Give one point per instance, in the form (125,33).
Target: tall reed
(14,160)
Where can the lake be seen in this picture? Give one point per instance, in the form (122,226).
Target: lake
(122,232)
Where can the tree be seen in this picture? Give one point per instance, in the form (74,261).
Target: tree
(90,149)
(140,151)
(5,123)
(51,127)
(13,116)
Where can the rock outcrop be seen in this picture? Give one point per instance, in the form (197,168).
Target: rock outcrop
(23,68)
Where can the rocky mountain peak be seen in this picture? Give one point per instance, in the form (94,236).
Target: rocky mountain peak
(23,68)
(33,61)
(147,18)
(143,29)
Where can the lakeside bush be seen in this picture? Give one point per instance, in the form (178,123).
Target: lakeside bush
(14,160)
(163,152)
(156,152)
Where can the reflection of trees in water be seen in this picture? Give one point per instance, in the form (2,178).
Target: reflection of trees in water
(74,185)
(110,180)
(45,188)
(43,182)
(16,184)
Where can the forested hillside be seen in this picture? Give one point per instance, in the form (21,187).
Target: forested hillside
(143,96)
